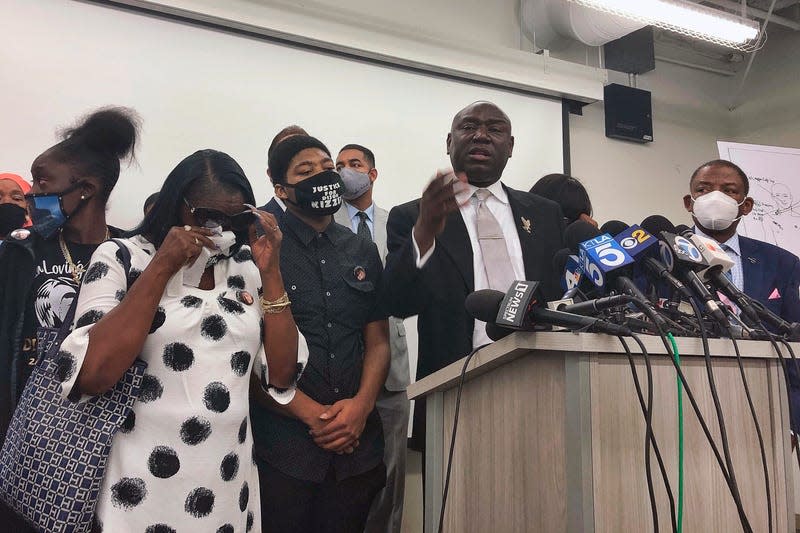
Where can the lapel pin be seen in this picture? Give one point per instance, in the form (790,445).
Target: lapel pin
(359,273)
(20,234)
(245,297)
(752,260)
(526,224)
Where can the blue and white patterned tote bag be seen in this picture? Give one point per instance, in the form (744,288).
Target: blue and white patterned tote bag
(55,453)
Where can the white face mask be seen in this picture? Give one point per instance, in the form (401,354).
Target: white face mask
(716,210)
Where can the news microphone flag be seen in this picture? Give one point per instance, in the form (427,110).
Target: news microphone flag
(517,302)
(636,241)
(601,255)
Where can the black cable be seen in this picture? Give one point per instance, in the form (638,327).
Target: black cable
(758,430)
(650,436)
(704,426)
(797,452)
(720,419)
(786,374)
(453,436)
(772,338)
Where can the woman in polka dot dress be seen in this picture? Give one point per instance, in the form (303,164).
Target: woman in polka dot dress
(182,462)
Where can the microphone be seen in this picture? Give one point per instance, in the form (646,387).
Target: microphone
(643,247)
(613,227)
(637,242)
(719,263)
(597,305)
(604,260)
(601,255)
(681,256)
(571,276)
(519,309)
(654,225)
(495,332)
(712,252)
(577,232)
(753,310)
(790,329)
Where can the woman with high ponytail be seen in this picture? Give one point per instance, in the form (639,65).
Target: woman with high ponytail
(41,267)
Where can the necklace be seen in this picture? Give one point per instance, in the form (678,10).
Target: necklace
(75,270)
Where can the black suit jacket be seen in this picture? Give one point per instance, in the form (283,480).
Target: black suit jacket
(437,291)
(273,207)
(772,276)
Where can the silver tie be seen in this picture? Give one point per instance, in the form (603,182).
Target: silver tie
(496,261)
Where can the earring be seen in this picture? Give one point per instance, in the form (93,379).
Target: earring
(83,197)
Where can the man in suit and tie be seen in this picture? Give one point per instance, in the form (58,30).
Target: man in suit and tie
(718,199)
(356,165)
(468,231)
(276,206)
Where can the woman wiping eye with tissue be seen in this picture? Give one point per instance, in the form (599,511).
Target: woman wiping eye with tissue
(198,268)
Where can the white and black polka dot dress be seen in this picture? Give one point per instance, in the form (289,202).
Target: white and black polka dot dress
(183,461)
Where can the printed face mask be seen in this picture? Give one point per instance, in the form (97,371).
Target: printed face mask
(355,183)
(47,210)
(716,210)
(319,195)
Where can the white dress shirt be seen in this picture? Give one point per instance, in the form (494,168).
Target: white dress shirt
(501,209)
(352,214)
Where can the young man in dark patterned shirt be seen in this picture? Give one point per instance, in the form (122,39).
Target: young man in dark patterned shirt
(320,457)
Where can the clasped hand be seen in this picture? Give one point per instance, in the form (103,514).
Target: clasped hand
(339,427)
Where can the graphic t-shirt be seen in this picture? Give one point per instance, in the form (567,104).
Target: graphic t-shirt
(52,292)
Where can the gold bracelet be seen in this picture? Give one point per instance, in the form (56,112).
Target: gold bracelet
(275,306)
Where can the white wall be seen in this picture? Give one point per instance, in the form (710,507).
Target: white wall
(629,181)
(768,109)
(200,88)
(626,181)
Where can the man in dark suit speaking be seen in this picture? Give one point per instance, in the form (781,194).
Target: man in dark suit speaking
(467,232)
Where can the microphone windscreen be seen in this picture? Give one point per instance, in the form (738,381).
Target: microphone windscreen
(495,332)
(681,229)
(484,304)
(614,227)
(577,232)
(560,259)
(655,224)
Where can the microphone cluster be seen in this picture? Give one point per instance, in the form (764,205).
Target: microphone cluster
(642,278)
(650,278)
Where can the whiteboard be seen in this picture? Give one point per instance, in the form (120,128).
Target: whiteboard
(201,88)
(774,174)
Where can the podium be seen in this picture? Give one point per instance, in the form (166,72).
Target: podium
(551,437)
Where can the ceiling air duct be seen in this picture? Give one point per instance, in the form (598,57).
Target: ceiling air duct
(553,24)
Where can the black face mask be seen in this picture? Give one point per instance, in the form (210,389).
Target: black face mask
(12,217)
(319,195)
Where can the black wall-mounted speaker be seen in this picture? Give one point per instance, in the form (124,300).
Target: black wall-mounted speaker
(629,113)
(634,53)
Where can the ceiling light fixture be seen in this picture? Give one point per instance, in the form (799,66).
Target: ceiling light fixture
(686,18)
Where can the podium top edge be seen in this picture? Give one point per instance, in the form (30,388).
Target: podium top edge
(509,348)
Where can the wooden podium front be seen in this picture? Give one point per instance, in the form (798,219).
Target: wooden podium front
(551,437)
